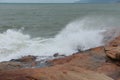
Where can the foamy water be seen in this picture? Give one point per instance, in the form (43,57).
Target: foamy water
(42,23)
(74,37)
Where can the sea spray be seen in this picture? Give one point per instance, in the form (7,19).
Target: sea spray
(74,37)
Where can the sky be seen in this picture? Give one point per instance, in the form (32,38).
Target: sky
(98,1)
(39,1)
(58,1)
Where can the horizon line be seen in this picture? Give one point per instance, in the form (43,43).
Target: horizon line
(76,2)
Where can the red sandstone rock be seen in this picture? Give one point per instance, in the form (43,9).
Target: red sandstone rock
(53,73)
(81,66)
(110,69)
(113,49)
(87,65)
(10,65)
(115,42)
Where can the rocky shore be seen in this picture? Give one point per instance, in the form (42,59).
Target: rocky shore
(101,63)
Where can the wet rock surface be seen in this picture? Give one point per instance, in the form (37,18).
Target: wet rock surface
(10,65)
(25,59)
(101,63)
(23,62)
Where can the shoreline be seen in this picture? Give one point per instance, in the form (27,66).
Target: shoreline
(103,62)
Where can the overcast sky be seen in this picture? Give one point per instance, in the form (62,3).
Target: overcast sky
(55,1)
(40,1)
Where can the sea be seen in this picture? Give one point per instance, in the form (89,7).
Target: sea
(46,29)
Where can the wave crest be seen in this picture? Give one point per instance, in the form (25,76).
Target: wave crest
(75,36)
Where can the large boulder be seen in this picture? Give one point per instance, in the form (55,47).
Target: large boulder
(112,50)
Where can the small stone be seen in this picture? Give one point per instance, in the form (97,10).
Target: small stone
(56,55)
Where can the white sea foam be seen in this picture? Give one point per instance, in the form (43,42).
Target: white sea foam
(74,37)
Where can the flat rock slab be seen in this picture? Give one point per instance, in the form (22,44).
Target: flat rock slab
(53,73)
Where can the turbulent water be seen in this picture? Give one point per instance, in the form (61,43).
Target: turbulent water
(46,29)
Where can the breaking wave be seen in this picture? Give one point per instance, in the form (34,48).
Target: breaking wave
(75,36)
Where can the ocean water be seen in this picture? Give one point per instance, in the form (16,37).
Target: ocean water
(46,29)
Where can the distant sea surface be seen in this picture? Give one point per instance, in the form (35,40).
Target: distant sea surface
(45,29)
(48,19)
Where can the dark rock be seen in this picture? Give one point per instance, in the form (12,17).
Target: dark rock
(56,55)
(25,59)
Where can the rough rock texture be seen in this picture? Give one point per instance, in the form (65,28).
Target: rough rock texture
(24,62)
(10,65)
(53,73)
(26,59)
(112,50)
(84,66)
(101,63)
